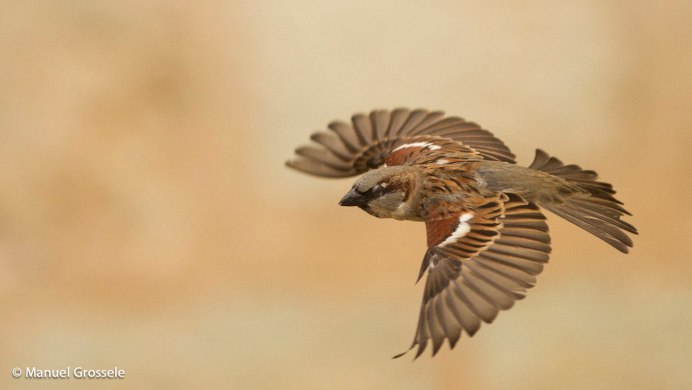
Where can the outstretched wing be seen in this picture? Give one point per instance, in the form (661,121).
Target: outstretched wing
(395,137)
(479,261)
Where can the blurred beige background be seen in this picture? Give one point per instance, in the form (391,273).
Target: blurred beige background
(147,220)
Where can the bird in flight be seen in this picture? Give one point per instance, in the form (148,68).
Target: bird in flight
(487,237)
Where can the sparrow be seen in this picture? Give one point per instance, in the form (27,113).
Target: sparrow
(487,238)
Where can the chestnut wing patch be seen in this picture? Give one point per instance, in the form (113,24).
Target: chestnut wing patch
(429,150)
(446,230)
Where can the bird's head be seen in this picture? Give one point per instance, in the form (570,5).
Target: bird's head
(382,192)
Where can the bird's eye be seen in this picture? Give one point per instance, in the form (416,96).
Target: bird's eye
(379,189)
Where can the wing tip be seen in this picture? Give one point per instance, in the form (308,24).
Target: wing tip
(290,164)
(405,352)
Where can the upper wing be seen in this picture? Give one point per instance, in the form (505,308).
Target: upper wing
(479,261)
(394,138)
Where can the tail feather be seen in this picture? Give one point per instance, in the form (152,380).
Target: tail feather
(594,208)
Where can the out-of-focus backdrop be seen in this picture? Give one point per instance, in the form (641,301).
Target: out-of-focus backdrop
(147,220)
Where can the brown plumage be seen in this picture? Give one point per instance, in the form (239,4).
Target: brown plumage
(487,238)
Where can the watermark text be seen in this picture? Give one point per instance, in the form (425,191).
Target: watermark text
(78,372)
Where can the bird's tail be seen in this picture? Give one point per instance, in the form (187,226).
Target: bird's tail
(592,207)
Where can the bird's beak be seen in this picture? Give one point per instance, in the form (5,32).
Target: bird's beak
(353,198)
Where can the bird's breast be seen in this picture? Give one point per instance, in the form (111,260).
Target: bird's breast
(404,212)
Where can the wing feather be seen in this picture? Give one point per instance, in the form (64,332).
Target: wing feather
(369,141)
(470,280)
